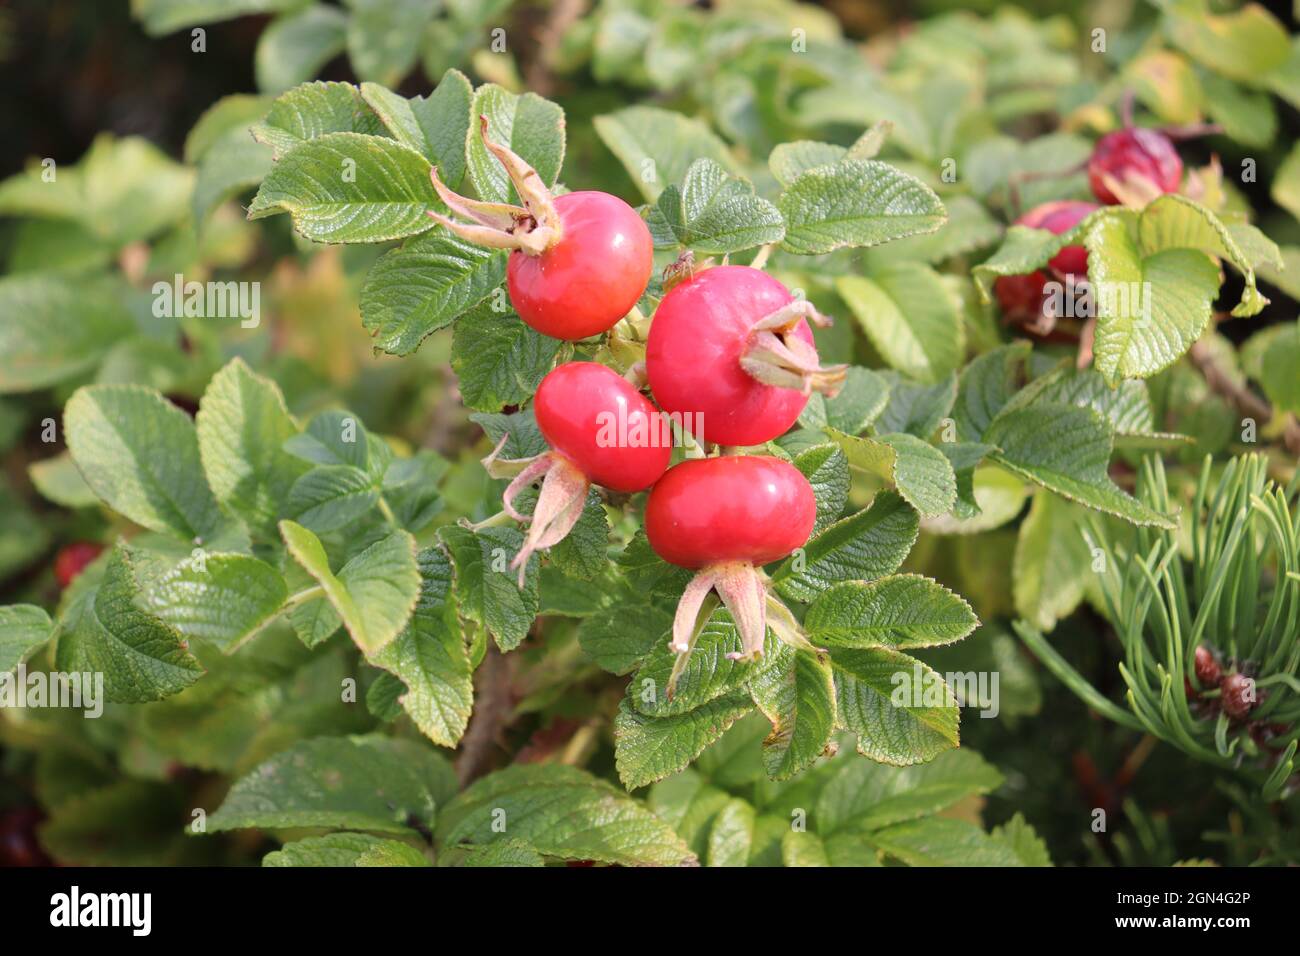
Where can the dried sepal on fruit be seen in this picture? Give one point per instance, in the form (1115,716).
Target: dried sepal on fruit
(726,517)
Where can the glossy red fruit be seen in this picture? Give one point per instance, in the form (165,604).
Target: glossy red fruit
(737,508)
(1143,162)
(72,560)
(592,276)
(601,431)
(1058,217)
(597,420)
(704,349)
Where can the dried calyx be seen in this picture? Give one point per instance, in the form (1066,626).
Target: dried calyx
(559,503)
(743,589)
(532,228)
(776,355)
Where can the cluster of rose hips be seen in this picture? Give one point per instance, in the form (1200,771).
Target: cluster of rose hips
(729,347)
(1130,166)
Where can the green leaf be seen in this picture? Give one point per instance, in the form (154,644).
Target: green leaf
(486,587)
(1052,562)
(1127,407)
(373,593)
(1023,841)
(868,796)
(970,227)
(365,783)
(561,812)
(123,190)
(921,473)
(985,386)
(647,748)
(142,658)
(1160,304)
(524,438)
(220,598)
(531,126)
(431,659)
(313,110)
(657,146)
(827,470)
(242,424)
(903,611)
(349,187)
(498,359)
(164,16)
(802,849)
(1279,370)
(916,409)
(294,47)
(583,551)
(333,437)
(618,637)
(445,119)
(706,673)
(714,211)
(901,711)
(397,115)
(1066,449)
(333,849)
(23,628)
(235,112)
(329,497)
(1176,222)
(1243,45)
(910,317)
(861,399)
(863,546)
(797,695)
(56,330)
(856,202)
(502,853)
(731,835)
(788,161)
(384,36)
(140,454)
(234,164)
(941,841)
(648,573)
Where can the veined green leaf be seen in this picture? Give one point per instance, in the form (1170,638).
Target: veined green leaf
(373,593)
(561,812)
(856,202)
(349,187)
(142,658)
(902,611)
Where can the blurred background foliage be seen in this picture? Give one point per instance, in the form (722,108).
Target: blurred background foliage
(118,97)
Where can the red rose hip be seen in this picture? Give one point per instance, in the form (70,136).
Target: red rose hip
(726,517)
(601,431)
(72,560)
(732,345)
(579,262)
(1133,166)
(1021,297)
(592,276)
